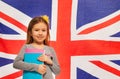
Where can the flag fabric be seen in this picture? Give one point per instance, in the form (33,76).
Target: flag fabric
(84,33)
(98,22)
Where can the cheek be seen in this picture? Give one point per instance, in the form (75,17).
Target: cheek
(45,33)
(34,33)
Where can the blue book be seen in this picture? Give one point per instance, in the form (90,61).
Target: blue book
(31,56)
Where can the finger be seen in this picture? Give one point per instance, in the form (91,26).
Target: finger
(44,65)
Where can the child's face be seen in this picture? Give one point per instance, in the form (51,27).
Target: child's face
(39,32)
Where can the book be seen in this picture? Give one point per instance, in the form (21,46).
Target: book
(31,56)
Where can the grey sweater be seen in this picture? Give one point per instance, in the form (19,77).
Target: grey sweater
(20,64)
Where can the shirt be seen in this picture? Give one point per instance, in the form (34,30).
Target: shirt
(20,64)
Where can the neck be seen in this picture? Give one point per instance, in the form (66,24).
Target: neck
(39,46)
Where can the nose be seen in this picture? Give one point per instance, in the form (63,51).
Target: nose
(40,32)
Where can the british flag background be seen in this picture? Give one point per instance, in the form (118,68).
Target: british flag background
(84,33)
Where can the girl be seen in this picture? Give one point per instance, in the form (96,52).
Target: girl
(38,38)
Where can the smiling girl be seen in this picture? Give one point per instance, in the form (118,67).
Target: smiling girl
(38,38)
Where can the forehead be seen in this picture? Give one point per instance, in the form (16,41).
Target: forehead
(40,25)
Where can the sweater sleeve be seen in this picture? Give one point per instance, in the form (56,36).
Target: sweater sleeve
(20,64)
(55,67)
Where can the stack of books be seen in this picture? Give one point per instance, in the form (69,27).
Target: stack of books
(31,56)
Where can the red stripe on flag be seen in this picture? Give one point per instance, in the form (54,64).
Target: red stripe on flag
(11,46)
(13,76)
(13,21)
(102,25)
(63,37)
(106,67)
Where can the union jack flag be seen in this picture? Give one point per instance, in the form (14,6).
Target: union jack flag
(84,33)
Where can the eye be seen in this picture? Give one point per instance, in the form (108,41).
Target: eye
(43,30)
(36,29)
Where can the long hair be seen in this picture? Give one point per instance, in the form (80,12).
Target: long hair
(34,21)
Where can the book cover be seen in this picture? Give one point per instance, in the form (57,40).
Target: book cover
(31,56)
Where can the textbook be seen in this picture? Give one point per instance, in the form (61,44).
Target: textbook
(31,56)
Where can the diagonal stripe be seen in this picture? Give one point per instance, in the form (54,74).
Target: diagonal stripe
(19,77)
(81,74)
(13,27)
(102,25)
(11,20)
(7,69)
(87,66)
(116,62)
(5,61)
(7,56)
(116,35)
(106,67)
(6,30)
(14,13)
(13,76)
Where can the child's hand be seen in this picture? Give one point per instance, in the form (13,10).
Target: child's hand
(42,58)
(42,69)
(45,58)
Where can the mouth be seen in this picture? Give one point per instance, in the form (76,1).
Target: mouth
(40,37)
